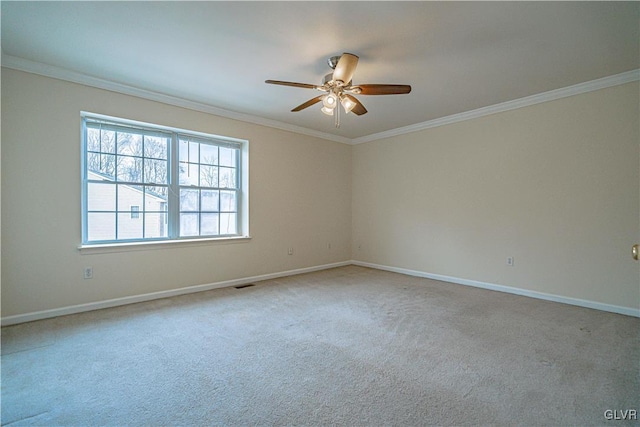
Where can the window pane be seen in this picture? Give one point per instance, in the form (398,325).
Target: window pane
(209,200)
(183,148)
(208,154)
(129,169)
(189,151)
(102,165)
(208,176)
(93,139)
(188,224)
(227,178)
(101,197)
(228,156)
(129,228)
(228,223)
(155,147)
(188,200)
(129,195)
(228,201)
(101,226)
(188,174)
(155,171)
(155,199)
(108,141)
(155,225)
(129,144)
(209,224)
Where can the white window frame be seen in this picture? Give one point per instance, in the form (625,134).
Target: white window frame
(173,210)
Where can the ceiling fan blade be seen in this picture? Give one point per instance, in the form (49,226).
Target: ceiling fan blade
(359,108)
(345,68)
(309,103)
(375,89)
(302,85)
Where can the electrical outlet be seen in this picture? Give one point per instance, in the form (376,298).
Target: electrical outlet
(510,261)
(88,272)
(290,251)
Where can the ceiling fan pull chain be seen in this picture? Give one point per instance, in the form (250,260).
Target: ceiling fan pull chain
(337,115)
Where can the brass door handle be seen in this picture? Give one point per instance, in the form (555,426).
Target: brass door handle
(635,252)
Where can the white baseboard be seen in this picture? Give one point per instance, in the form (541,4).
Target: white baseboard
(628,311)
(45,314)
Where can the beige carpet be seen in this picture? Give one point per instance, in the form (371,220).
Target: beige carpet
(348,346)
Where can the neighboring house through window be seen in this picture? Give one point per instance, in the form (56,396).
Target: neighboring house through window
(145,182)
(135,212)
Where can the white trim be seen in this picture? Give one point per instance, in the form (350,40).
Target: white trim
(628,311)
(580,88)
(46,70)
(96,118)
(146,245)
(80,308)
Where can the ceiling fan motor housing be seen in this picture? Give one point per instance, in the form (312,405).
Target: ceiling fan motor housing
(333,62)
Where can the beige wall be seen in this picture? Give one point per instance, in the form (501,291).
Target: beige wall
(554,185)
(300,197)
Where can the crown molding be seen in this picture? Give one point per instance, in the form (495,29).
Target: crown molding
(46,70)
(552,95)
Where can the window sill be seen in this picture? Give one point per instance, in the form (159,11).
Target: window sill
(158,244)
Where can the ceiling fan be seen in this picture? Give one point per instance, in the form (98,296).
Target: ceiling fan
(339,88)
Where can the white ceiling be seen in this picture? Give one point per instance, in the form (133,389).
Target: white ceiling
(457,56)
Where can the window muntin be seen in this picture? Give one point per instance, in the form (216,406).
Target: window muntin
(142,183)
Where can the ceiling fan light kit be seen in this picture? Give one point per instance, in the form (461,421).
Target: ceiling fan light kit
(339,88)
(327,111)
(347,104)
(329,100)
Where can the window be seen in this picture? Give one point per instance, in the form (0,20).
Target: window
(145,182)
